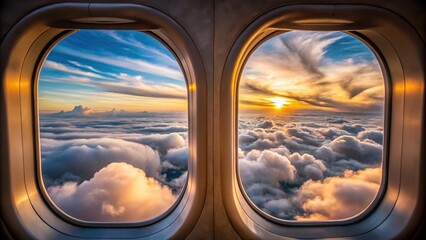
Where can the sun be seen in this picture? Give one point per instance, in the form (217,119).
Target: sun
(279,102)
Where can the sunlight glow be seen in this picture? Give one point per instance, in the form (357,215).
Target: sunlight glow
(279,102)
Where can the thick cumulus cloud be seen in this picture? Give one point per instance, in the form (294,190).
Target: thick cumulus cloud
(307,166)
(266,167)
(117,193)
(376,136)
(162,143)
(365,151)
(79,159)
(354,129)
(339,197)
(178,157)
(266,124)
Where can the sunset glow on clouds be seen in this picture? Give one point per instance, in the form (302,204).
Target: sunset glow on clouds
(329,71)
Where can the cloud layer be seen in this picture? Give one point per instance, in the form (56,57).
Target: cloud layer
(114,166)
(308,167)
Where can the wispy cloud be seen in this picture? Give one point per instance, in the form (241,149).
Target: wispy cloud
(85,66)
(137,65)
(148,50)
(128,85)
(63,68)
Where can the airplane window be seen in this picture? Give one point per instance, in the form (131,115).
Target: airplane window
(311,120)
(113,120)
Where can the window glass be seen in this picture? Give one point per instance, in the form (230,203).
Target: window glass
(113,124)
(311,107)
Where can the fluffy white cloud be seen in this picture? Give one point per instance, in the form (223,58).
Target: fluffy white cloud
(180,182)
(307,166)
(178,157)
(117,193)
(306,135)
(261,193)
(339,197)
(79,159)
(163,142)
(269,168)
(266,124)
(376,136)
(354,129)
(365,151)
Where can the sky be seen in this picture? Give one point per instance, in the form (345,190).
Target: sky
(312,70)
(103,70)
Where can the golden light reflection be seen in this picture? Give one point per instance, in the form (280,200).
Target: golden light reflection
(192,87)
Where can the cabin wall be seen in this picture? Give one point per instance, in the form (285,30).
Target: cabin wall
(214,25)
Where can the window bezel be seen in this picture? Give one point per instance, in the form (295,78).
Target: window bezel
(381,29)
(23,49)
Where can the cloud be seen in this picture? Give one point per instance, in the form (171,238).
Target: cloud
(180,182)
(133,64)
(163,143)
(337,121)
(123,85)
(331,133)
(269,168)
(85,66)
(63,68)
(80,159)
(307,167)
(119,192)
(143,88)
(365,151)
(354,129)
(339,197)
(266,124)
(78,111)
(376,136)
(261,193)
(282,208)
(178,157)
(308,137)
(145,49)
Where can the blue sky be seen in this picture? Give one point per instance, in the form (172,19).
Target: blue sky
(127,70)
